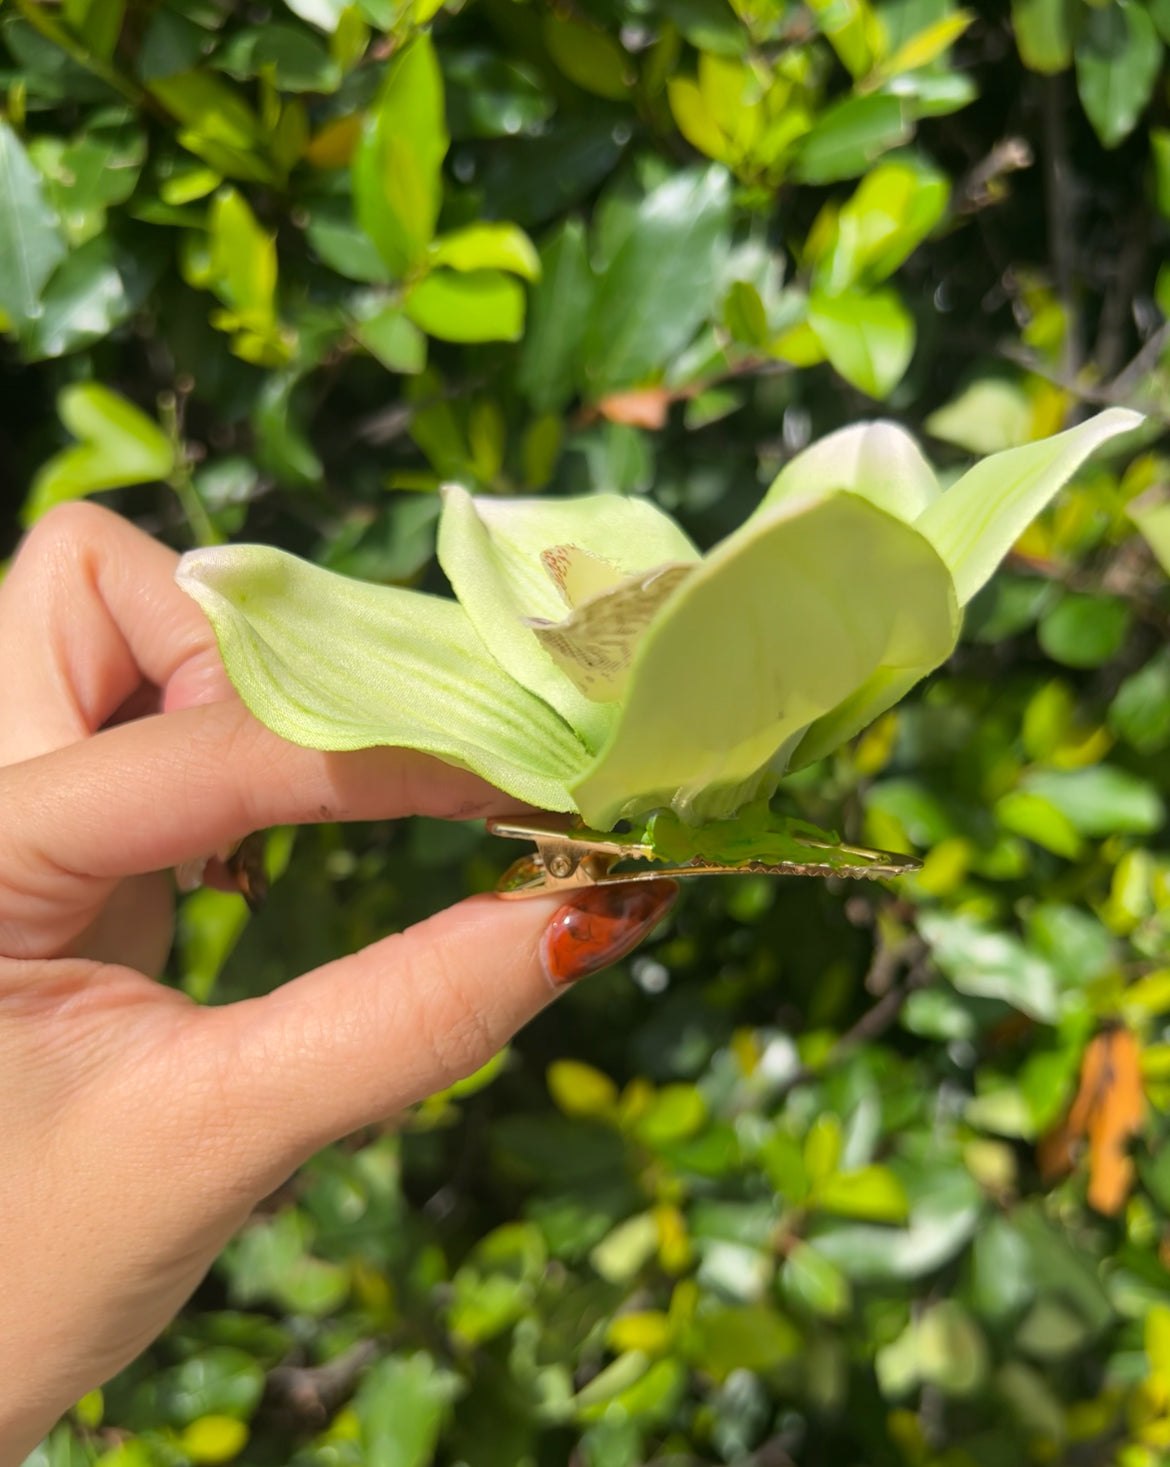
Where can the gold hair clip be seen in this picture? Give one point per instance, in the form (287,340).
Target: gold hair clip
(569,856)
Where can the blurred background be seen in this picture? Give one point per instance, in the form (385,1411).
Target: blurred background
(826,1174)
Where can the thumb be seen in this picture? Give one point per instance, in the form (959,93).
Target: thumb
(360,1039)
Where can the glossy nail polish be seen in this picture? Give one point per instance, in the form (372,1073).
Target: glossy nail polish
(600,926)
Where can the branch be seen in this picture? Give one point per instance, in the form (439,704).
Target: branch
(1060,220)
(312,1393)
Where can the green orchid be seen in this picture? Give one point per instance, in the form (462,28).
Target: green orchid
(595,662)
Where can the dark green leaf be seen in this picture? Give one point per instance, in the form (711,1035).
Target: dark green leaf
(661,281)
(1118,55)
(849,136)
(30,243)
(561,306)
(1084,631)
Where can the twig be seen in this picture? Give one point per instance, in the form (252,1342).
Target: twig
(1118,305)
(312,1393)
(54,31)
(982,185)
(1060,222)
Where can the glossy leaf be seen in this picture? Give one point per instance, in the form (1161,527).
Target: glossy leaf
(850,135)
(661,281)
(1118,55)
(1043,30)
(869,338)
(30,242)
(587,56)
(397,168)
(479,305)
(558,318)
(488,247)
(118,445)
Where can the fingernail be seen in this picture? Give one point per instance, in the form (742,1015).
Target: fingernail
(600,926)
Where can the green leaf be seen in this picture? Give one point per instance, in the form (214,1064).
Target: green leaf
(119,445)
(506,562)
(779,623)
(1002,1280)
(218,125)
(893,210)
(989,415)
(661,282)
(869,338)
(30,242)
(976,522)
(243,262)
(557,320)
(742,1337)
(1099,801)
(1118,57)
(852,29)
(398,165)
(387,334)
(927,45)
(1140,712)
(85,177)
(989,964)
(874,1192)
(425,680)
(1085,631)
(488,247)
(744,314)
(222,1381)
(483,305)
(942,1221)
(401,1405)
(97,22)
(294,59)
(849,135)
(809,1278)
(284,448)
(84,300)
(581,1092)
(1150,512)
(1043,34)
(587,56)
(344,246)
(1037,819)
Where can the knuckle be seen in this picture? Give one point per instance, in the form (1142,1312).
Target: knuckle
(456,1033)
(66,534)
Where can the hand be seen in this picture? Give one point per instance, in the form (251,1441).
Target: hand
(138,1130)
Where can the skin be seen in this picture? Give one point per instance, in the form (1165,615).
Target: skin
(139,1130)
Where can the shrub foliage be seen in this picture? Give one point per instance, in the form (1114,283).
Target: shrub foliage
(822,1175)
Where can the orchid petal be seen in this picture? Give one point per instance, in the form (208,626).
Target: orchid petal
(596,644)
(879,461)
(780,624)
(501,557)
(980,517)
(406,669)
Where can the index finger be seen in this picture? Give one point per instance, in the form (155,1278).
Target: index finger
(178,786)
(88,613)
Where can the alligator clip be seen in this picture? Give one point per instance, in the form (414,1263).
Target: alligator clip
(568,858)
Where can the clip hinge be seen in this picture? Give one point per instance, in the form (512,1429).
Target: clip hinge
(562,862)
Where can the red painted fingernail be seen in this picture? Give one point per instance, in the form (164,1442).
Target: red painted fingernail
(602,925)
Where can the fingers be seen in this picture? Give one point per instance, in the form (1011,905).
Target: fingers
(360,1039)
(157,792)
(89,612)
